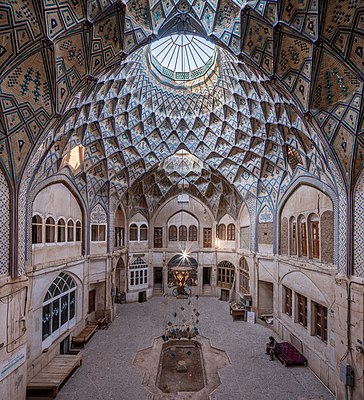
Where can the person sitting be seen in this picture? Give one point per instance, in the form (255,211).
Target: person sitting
(271,347)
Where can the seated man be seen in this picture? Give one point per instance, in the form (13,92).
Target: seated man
(271,347)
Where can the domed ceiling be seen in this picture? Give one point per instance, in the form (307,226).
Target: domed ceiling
(230,119)
(76,73)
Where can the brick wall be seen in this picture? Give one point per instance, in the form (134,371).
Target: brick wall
(327,236)
(284,237)
(265,233)
(245,237)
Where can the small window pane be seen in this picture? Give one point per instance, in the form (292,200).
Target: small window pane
(61,231)
(94,233)
(64,309)
(70,231)
(144,232)
(36,229)
(133,233)
(172,233)
(102,233)
(72,304)
(78,231)
(55,315)
(46,321)
(50,230)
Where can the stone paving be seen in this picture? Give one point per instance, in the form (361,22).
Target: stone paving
(108,372)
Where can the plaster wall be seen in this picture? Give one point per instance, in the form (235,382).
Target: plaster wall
(208,257)
(14,334)
(194,208)
(56,201)
(349,326)
(317,285)
(228,244)
(98,248)
(243,229)
(40,282)
(98,270)
(139,245)
(265,297)
(187,219)
(306,198)
(267,269)
(244,217)
(265,237)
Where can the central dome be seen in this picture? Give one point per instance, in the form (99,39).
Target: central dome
(182,57)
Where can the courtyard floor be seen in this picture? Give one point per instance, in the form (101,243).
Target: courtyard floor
(108,372)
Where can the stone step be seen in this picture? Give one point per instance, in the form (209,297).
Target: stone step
(207,290)
(157,292)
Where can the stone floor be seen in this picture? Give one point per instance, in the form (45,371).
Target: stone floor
(108,372)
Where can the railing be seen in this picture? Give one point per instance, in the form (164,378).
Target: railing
(183,76)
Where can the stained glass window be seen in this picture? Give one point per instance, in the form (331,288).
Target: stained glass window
(58,307)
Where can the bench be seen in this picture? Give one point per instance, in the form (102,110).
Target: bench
(84,336)
(50,379)
(288,355)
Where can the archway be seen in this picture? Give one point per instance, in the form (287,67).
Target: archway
(180,261)
(120,276)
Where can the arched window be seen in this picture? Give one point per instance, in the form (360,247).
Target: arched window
(293,237)
(183,233)
(50,230)
(315,236)
(222,232)
(133,233)
(303,238)
(143,232)
(172,232)
(231,232)
(225,274)
(37,226)
(138,274)
(244,286)
(192,233)
(70,231)
(61,230)
(59,308)
(78,231)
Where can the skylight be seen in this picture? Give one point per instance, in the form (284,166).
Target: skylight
(74,158)
(182,57)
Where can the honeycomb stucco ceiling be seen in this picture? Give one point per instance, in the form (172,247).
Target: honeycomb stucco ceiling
(54,54)
(233,122)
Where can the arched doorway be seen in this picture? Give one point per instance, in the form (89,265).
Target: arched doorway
(225,278)
(120,276)
(179,261)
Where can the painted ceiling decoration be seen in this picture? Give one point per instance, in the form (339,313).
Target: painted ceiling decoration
(232,121)
(183,173)
(289,76)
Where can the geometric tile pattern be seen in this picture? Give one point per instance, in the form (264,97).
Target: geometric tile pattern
(61,16)
(24,213)
(359,228)
(231,122)
(72,43)
(341,227)
(265,215)
(98,215)
(176,173)
(4,225)
(53,55)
